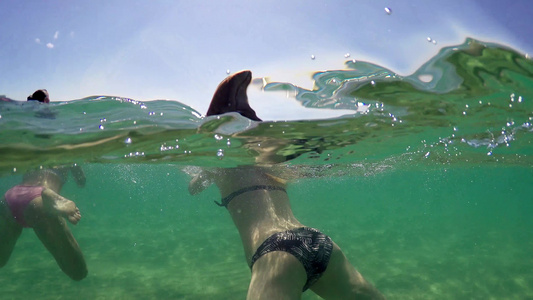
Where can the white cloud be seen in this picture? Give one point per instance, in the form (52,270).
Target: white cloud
(50,45)
(38,40)
(56,35)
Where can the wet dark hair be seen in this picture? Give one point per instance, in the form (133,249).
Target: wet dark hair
(40,95)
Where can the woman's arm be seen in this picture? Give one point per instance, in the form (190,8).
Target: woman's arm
(199,183)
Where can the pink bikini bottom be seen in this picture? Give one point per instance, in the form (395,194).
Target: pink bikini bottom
(19,197)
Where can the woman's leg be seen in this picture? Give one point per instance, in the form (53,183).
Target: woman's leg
(342,281)
(9,233)
(277,275)
(46,215)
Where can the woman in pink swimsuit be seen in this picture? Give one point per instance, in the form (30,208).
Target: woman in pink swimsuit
(36,204)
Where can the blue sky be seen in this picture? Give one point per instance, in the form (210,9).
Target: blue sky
(181,50)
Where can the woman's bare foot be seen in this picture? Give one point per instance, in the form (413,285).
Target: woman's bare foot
(61,206)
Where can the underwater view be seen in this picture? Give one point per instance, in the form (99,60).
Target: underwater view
(426,185)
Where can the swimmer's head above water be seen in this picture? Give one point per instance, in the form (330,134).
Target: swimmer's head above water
(230,96)
(40,95)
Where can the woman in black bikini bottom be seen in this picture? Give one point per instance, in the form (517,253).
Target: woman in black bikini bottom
(286,257)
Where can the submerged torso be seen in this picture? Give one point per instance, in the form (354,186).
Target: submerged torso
(259,213)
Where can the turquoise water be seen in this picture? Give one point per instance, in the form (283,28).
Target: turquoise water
(427,187)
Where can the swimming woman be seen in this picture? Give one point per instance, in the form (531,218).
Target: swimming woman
(286,258)
(36,204)
(39,96)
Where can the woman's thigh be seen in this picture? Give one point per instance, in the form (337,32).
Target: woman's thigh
(277,275)
(342,281)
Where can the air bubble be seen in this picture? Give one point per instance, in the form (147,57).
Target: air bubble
(228,71)
(313,57)
(347,55)
(388,10)
(127,141)
(220,153)
(101,127)
(218,137)
(425,78)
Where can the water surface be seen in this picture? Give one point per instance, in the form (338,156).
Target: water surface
(426,186)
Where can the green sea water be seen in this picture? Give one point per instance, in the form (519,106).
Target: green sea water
(427,187)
